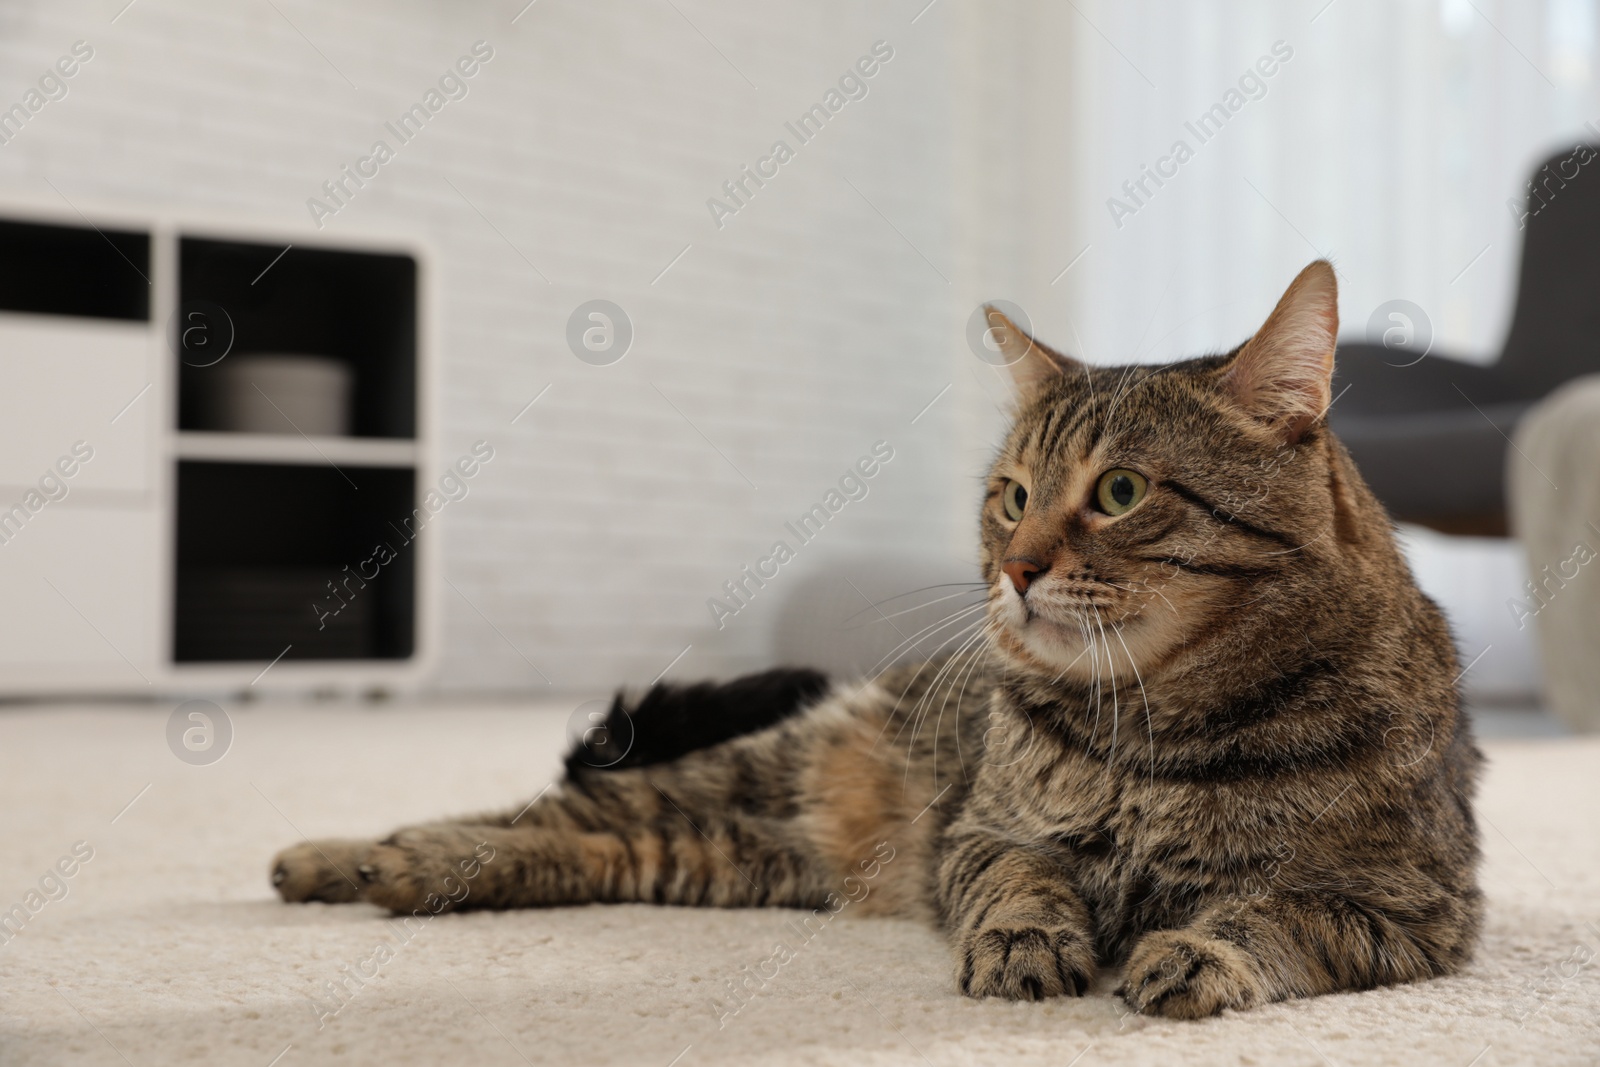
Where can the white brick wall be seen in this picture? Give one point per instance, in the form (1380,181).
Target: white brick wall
(793,338)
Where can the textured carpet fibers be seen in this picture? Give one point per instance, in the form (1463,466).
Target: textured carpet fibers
(167,946)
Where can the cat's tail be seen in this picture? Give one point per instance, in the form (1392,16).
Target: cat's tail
(670,721)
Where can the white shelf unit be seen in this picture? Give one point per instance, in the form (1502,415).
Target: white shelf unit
(285,448)
(180,560)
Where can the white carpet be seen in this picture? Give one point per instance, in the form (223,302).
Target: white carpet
(170,948)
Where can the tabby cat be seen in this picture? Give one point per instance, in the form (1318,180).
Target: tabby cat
(1204,727)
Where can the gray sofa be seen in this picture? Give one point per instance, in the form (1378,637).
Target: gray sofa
(1431,435)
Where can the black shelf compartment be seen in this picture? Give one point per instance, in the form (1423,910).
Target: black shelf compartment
(360,307)
(74,270)
(257,545)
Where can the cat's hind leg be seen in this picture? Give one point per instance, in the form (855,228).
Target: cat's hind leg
(339,870)
(662,834)
(670,833)
(668,723)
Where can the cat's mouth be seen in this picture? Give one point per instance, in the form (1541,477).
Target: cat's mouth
(1073,625)
(1079,633)
(1058,629)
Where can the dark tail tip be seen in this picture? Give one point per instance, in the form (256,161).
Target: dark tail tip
(670,721)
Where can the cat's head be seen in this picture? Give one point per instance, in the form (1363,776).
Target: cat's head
(1134,512)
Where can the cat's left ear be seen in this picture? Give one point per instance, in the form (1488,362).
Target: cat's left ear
(1284,374)
(1029,361)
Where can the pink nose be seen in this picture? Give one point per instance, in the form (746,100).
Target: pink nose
(1022,572)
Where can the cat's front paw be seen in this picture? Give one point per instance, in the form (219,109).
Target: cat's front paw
(1184,975)
(320,870)
(424,869)
(1020,961)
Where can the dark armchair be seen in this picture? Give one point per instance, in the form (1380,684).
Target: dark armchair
(1431,437)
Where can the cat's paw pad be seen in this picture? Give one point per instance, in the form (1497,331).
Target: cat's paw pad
(1184,975)
(320,870)
(1025,962)
(418,869)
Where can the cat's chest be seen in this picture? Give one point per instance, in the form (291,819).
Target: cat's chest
(1117,828)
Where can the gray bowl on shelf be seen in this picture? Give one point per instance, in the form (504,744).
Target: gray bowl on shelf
(277,393)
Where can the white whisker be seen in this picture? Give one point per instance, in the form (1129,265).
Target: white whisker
(1089,636)
(919,713)
(979,645)
(956,638)
(988,646)
(905,646)
(1079,656)
(894,711)
(1111,671)
(1149,726)
(976,588)
(945,667)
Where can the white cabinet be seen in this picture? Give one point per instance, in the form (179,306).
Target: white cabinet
(83,600)
(143,551)
(64,380)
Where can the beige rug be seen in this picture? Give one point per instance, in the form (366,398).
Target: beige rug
(169,947)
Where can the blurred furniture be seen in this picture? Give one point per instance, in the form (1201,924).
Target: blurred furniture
(180,555)
(1430,435)
(1555,507)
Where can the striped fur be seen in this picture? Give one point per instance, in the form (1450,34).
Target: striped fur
(1217,742)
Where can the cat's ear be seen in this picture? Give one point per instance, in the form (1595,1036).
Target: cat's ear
(1284,374)
(1028,361)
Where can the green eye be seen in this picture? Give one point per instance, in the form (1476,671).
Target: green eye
(1119,490)
(1016,499)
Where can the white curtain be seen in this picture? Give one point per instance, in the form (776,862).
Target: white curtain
(1391,140)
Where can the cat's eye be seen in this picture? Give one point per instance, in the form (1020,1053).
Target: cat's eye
(1119,490)
(1015,498)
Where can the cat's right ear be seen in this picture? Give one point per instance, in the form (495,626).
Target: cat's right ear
(1029,361)
(1284,374)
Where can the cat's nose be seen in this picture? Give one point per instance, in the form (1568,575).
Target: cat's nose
(1022,572)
